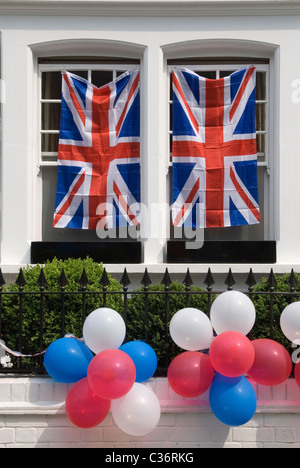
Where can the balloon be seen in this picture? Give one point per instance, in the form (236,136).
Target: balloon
(144,358)
(84,408)
(231,354)
(272,364)
(138,412)
(67,360)
(232,400)
(232,311)
(297,373)
(190,374)
(191,329)
(290,322)
(104,329)
(111,374)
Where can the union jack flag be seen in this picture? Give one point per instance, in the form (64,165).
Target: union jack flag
(214,150)
(98,167)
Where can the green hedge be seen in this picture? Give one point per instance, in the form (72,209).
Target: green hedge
(52,319)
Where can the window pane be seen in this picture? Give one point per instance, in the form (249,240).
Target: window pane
(260,117)
(51,85)
(50,142)
(261,94)
(101,77)
(82,73)
(211,75)
(50,116)
(261,144)
(224,73)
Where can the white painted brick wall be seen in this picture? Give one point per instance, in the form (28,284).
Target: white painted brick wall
(32,415)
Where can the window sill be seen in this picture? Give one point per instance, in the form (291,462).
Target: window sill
(223,252)
(102,252)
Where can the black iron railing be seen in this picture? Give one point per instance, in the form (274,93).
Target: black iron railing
(156,303)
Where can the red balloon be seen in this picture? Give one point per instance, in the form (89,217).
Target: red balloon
(190,374)
(231,354)
(84,408)
(111,374)
(272,364)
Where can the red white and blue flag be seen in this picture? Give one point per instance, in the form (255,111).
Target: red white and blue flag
(98,167)
(214,150)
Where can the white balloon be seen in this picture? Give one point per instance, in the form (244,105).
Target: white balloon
(290,322)
(104,328)
(191,329)
(138,412)
(232,311)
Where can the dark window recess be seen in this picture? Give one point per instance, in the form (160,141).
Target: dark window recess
(105,252)
(223,252)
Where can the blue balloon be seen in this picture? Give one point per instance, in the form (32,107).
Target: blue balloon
(144,358)
(232,400)
(67,359)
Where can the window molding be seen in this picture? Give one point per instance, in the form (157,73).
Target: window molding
(87,47)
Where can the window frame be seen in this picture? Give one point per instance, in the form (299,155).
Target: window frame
(111,251)
(217,65)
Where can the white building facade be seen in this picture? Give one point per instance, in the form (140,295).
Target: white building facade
(100,39)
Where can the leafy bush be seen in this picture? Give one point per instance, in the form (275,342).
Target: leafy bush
(53,324)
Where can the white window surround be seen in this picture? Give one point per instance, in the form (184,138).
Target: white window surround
(154,125)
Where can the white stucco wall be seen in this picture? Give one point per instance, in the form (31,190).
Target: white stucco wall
(153,39)
(32,415)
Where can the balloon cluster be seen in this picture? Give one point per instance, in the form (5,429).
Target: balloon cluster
(107,374)
(218,356)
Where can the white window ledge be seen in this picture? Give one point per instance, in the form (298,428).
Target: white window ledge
(197,268)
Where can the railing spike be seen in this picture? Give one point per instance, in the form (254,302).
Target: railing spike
(250,281)
(271,281)
(292,281)
(146,279)
(42,282)
(62,282)
(20,281)
(166,281)
(104,281)
(230,281)
(188,279)
(125,281)
(209,281)
(84,281)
